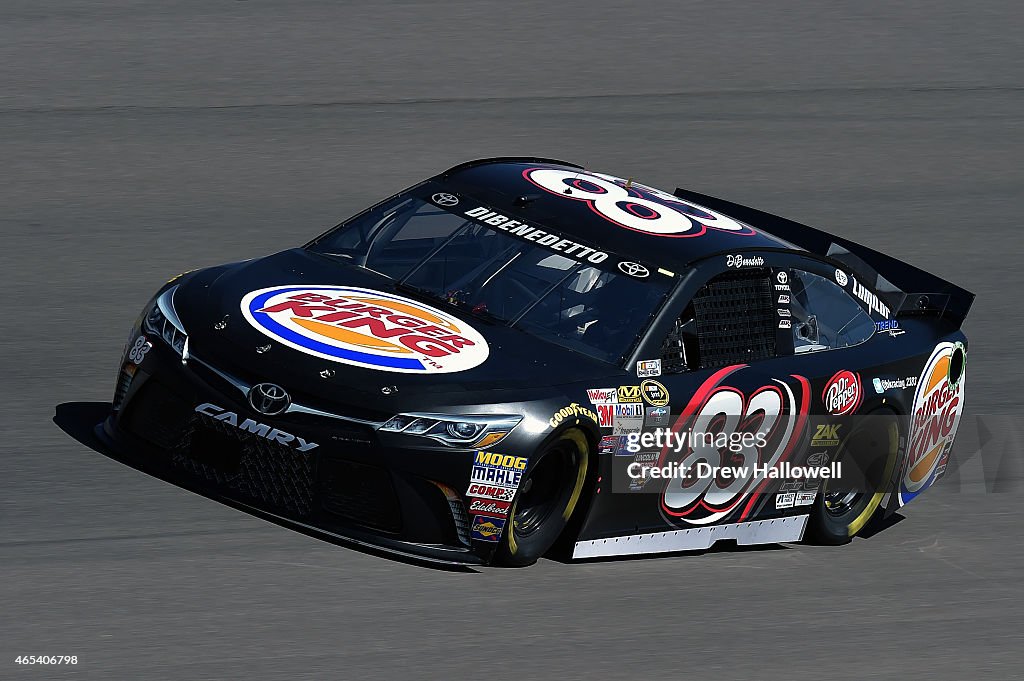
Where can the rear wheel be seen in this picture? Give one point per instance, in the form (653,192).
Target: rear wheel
(546,500)
(841,511)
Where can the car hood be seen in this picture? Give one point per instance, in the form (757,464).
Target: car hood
(518,366)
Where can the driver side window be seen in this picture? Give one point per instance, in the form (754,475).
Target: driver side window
(825,317)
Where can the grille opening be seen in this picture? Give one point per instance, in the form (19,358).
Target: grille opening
(731,320)
(735,319)
(361,494)
(217,450)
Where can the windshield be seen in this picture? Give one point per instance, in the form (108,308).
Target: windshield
(449,257)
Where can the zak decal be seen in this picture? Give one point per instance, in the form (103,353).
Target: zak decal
(632,205)
(938,404)
(843,393)
(774,414)
(365,328)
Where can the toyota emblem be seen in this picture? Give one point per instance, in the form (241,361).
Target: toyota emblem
(445,200)
(633,269)
(269,398)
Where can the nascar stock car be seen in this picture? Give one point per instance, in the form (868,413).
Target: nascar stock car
(462,372)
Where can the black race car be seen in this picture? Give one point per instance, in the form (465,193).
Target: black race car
(520,354)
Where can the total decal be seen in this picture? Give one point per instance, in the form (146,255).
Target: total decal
(843,393)
(632,205)
(938,406)
(775,414)
(365,328)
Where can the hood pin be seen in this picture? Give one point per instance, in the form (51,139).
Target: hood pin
(260,349)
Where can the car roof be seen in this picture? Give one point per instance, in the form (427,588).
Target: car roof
(617,218)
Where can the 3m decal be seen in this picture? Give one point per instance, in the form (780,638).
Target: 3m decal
(632,205)
(487,528)
(365,328)
(843,393)
(938,405)
(774,414)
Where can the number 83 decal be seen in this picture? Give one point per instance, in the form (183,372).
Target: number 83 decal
(640,208)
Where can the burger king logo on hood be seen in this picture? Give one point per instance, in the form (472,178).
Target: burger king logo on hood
(365,328)
(938,404)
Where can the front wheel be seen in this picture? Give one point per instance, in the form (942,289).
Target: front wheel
(872,448)
(546,500)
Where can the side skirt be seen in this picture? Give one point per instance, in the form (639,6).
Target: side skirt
(788,529)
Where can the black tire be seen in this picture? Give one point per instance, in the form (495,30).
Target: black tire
(547,497)
(872,445)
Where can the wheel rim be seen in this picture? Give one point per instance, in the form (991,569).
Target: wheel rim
(839,503)
(543,492)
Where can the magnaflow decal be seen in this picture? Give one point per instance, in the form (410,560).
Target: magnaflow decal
(365,328)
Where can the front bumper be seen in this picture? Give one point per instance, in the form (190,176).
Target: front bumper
(399,500)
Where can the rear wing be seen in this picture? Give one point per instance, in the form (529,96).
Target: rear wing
(907,289)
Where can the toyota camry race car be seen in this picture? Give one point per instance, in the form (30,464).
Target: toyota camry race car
(519,354)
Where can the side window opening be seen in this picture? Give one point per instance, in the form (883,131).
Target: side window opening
(825,317)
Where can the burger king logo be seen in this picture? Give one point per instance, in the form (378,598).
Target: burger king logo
(938,404)
(843,393)
(365,328)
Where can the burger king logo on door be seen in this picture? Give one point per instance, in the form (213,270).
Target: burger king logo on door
(365,328)
(938,404)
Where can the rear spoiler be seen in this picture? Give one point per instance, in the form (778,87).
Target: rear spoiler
(907,289)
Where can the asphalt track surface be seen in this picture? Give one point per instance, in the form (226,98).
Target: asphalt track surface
(138,140)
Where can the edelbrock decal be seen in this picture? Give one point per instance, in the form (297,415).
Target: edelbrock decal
(365,328)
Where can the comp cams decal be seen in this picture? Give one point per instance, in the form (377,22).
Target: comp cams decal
(938,405)
(365,328)
(632,205)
